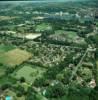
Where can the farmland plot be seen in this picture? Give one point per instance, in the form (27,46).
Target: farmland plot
(14,57)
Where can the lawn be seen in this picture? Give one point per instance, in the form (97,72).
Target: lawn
(71,34)
(5,48)
(59,32)
(43,27)
(30,73)
(14,57)
(6,79)
(2,18)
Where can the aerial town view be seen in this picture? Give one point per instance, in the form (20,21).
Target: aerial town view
(49,50)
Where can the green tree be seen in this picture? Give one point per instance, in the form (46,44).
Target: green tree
(55,91)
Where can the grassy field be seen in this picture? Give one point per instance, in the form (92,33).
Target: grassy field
(69,34)
(5,48)
(59,32)
(30,73)
(14,57)
(6,79)
(2,18)
(43,27)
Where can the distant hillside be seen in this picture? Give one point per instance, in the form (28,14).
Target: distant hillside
(46,0)
(57,0)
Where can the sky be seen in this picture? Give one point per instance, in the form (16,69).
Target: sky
(43,0)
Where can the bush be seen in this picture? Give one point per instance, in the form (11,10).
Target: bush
(20,91)
(41,82)
(22,79)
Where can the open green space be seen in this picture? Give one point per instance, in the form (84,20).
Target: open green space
(43,27)
(7,79)
(14,57)
(4,18)
(5,48)
(71,34)
(68,34)
(30,73)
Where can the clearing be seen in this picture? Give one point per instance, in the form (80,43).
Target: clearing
(30,73)
(43,27)
(5,48)
(14,57)
(32,36)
